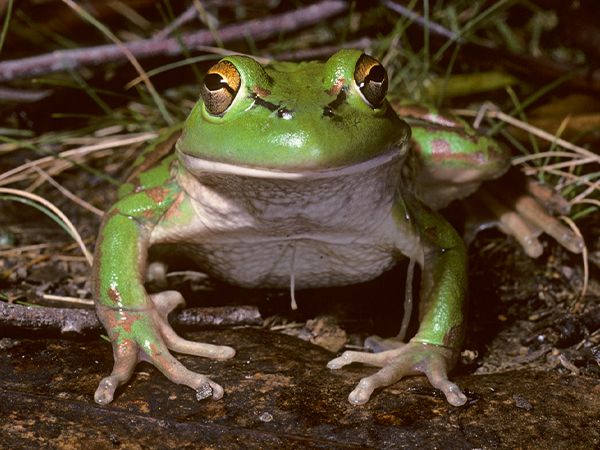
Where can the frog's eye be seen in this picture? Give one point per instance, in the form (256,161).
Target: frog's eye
(371,79)
(220,86)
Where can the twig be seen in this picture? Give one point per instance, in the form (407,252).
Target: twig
(64,319)
(308,54)
(85,320)
(421,21)
(68,193)
(23,95)
(158,101)
(258,29)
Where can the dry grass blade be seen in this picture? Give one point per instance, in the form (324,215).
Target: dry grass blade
(62,298)
(65,220)
(533,130)
(586,269)
(578,156)
(572,178)
(68,193)
(16,174)
(155,96)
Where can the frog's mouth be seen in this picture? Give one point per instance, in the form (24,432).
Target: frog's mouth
(199,166)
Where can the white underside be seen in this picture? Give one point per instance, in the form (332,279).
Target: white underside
(263,228)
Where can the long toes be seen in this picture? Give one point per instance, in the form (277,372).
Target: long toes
(203,385)
(125,362)
(373,359)
(176,343)
(362,393)
(215,390)
(452,392)
(106,390)
(511,223)
(201,349)
(529,208)
(178,373)
(436,372)
(385,377)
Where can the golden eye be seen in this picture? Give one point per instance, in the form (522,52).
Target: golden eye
(372,80)
(219,87)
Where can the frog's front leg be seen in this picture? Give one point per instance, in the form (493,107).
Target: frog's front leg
(137,322)
(435,349)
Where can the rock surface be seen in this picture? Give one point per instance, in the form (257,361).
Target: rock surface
(278,394)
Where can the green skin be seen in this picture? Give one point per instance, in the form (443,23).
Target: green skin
(274,139)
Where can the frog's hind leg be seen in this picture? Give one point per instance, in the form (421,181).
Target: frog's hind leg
(523,209)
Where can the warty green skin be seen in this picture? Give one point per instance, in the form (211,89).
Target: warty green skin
(262,192)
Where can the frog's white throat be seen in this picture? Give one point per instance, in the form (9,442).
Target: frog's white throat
(257,227)
(200,167)
(330,200)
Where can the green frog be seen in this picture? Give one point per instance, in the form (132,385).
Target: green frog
(294,176)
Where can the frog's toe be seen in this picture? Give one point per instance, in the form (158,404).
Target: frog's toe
(453,393)
(525,209)
(436,366)
(106,390)
(508,220)
(373,359)
(434,361)
(170,367)
(125,362)
(152,341)
(167,301)
(180,345)
(176,343)
(362,393)
(533,212)
(204,386)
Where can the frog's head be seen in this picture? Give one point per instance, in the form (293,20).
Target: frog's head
(293,118)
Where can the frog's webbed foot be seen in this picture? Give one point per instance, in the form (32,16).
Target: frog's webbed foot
(407,359)
(145,335)
(523,209)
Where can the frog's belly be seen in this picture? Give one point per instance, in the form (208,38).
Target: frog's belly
(312,263)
